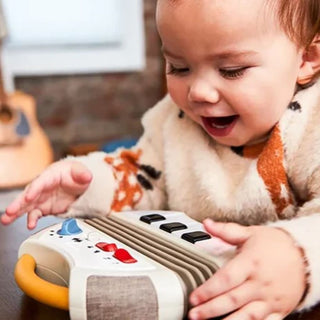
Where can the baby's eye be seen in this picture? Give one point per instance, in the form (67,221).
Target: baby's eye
(172,70)
(233,73)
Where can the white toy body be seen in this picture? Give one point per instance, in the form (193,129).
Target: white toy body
(70,253)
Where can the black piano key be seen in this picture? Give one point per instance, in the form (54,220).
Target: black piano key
(172,226)
(149,218)
(195,236)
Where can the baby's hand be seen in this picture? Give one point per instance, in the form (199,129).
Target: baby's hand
(264,281)
(50,193)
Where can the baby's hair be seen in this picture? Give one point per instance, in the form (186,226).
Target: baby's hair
(300,19)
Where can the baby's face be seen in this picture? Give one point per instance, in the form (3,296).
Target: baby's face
(230,67)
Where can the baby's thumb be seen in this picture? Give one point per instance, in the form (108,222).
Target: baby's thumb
(232,233)
(80,173)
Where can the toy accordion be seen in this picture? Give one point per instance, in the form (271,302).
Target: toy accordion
(132,265)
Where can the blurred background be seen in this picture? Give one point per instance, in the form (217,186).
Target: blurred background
(93,66)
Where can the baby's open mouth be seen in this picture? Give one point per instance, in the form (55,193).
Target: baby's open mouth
(220,122)
(219,126)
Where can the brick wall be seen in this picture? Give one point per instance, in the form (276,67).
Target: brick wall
(99,107)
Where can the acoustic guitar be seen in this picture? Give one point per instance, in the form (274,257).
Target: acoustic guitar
(25,150)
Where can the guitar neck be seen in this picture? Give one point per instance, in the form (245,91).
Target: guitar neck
(3,96)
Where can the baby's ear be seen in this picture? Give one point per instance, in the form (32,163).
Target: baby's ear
(311,62)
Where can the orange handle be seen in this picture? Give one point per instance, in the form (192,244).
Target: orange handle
(35,287)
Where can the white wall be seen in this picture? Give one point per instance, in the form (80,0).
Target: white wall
(72,36)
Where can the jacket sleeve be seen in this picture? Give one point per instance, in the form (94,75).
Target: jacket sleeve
(127,178)
(305,232)
(301,136)
(305,227)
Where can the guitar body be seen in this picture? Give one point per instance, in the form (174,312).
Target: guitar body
(25,150)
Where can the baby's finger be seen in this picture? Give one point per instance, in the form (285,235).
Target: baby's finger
(232,233)
(33,218)
(7,219)
(43,182)
(231,275)
(227,302)
(257,310)
(80,174)
(18,205)
(22,204)
(275,316)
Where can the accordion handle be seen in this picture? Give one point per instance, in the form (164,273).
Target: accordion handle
(41,290)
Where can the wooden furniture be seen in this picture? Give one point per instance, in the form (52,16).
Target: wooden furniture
(14,305)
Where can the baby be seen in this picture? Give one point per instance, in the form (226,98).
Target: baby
(237,140)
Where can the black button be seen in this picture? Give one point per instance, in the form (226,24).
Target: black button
(173,226)
(148,218)
(195,236)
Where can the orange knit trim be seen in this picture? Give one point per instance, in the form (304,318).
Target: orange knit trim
(125,167)
(253,151)
(271,169)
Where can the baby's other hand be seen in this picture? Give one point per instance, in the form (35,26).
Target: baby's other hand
(50,193)
(264,281)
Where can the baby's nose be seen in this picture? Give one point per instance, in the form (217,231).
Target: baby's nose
(202,91)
